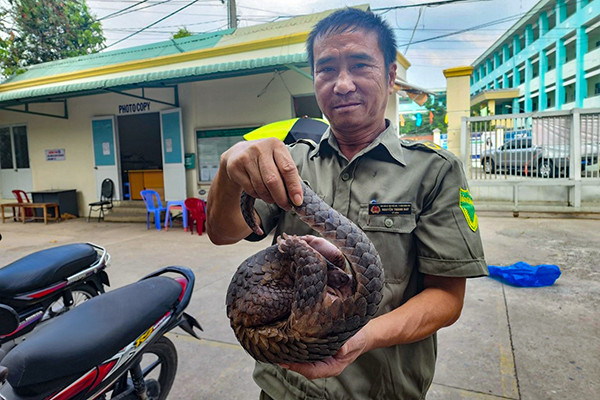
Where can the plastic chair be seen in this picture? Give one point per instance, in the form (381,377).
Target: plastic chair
(106,199)
(196,213)
(22,197)
(153,206)
(176,205)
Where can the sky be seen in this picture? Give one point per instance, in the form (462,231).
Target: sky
(414,26)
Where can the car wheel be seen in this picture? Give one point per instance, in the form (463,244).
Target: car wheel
(546,169)
(488,166)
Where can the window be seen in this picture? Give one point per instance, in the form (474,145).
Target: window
(211,144)
(14,151)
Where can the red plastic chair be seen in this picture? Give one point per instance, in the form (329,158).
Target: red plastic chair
(22,197)
(196,214)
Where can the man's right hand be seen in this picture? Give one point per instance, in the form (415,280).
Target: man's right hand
(265,170)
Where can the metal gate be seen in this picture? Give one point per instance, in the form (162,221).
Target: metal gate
(559,148)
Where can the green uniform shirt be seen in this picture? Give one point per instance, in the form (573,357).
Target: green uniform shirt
(429,228)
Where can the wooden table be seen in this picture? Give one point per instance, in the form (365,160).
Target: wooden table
(33,206)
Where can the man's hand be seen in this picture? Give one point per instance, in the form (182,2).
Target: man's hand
(265,170)
(333,366)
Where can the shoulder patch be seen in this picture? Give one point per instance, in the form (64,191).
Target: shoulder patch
(428,147)
(468,208)
(420,145)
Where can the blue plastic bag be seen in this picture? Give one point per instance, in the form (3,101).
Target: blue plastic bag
(525,275)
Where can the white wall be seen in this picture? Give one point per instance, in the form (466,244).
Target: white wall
(222,103)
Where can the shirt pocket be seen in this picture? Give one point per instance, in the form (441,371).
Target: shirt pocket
(390,223)
(391,235)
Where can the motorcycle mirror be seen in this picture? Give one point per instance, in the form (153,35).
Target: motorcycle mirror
(9,320)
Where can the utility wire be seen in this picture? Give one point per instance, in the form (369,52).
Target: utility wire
(473,28)
(152,24)
(431,4)
(414,29)
(127,9)
(120,11)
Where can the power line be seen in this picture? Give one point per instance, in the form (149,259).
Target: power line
(152,24)
(120,11)
(495,22)
(431,4)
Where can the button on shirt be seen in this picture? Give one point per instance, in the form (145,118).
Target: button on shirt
(431,235)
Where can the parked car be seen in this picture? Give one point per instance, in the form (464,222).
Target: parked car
(520,156)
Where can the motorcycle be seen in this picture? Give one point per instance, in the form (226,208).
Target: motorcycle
(98,350)
(47,283)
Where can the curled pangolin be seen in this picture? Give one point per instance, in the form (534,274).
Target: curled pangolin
(288,303)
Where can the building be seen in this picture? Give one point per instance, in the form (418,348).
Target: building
(154,116)
(548,60)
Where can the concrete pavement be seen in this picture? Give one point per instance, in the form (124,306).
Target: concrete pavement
(510,343)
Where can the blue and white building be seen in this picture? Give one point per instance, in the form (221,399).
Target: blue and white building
(548,60)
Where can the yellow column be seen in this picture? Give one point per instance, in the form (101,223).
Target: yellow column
(458,103)
(491,107)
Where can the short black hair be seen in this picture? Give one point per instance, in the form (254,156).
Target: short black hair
(351,19)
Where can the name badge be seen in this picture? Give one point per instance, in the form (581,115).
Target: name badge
(389,208)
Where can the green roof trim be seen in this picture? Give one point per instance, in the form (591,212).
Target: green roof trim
(105,58)
(213,71)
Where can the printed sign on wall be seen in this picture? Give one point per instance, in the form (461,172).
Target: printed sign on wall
(55,155)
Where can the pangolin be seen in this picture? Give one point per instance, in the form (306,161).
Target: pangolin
(288,303)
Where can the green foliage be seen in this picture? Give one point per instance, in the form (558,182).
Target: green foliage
(438,108)
(181,33)
(37,31)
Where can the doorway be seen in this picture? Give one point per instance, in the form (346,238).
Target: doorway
(15,172)
(140,154)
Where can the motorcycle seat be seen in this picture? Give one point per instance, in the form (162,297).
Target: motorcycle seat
(44,268)
(70,345)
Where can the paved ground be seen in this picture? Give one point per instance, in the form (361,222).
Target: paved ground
(510,343)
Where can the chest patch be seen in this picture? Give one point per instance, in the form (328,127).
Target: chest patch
(468,209)
(389,208)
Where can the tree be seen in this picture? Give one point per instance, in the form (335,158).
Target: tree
(437,107)
(181,33)
(37,31)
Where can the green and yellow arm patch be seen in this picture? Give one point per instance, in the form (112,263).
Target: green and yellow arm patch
(468,209)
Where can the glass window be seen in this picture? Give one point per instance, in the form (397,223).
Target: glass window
(21,149)
(213,143)
(6,158)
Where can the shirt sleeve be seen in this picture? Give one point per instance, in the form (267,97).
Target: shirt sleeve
(447,232)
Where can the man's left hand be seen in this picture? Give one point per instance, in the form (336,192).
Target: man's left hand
(333,366)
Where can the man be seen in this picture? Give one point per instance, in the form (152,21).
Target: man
(412,201)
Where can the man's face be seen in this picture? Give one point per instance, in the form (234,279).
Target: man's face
(351,82)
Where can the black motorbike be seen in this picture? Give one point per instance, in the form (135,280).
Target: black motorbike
(47,283)
(111,347)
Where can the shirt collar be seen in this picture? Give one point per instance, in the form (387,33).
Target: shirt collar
(389,139)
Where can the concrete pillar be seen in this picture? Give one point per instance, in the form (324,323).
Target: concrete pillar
(491,107)
(543,23)
(543,66)
(561,11)
(528,35)
(505,53)
(458,103)
(581,46)
(528,76)
(560,54)
(437,136)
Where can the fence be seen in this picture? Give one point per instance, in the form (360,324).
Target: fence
(559,148)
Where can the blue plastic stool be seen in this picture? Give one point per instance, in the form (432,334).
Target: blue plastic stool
(176,205)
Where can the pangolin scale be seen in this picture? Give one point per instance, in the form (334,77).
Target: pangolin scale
(288,303)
